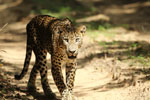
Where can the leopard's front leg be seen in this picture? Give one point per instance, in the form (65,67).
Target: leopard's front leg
(64,89)
(57,72)
(71,67)
(70,73)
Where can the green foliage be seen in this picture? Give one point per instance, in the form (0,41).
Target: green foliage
(134,45)
(104,27)
(109,34)
(95,29)
(144,61)
(103,43)
(93,9)
(55,8)
(100,26)
(3,91)
(124,25)
(93,34)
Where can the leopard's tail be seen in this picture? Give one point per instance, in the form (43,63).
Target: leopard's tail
(26,63)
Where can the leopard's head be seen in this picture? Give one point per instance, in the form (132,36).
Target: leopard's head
(70,37)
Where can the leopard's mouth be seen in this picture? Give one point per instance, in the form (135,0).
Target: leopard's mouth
(72,57)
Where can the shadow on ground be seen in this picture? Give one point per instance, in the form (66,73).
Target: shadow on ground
(131,78)
(13,92)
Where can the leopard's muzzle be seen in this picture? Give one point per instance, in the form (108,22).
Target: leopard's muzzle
(72,54)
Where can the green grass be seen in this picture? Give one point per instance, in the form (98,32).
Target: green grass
(124,25)
(138,55)
(54,8)
(108,34)
(105,26)
(93,33)
(95,29)
(141,60)
(134,52)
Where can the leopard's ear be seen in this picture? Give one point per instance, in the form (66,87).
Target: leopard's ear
(82,29)
(66,21)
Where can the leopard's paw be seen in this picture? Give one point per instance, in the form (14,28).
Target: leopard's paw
(67,95)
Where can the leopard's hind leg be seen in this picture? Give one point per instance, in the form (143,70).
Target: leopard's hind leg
(31,83)
(40,66)
(43,73)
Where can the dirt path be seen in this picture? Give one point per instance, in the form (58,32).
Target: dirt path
(105,71)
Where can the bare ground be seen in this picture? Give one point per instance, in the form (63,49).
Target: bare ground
(103,74)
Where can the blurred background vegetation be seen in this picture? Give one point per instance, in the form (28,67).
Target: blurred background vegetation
(96,14)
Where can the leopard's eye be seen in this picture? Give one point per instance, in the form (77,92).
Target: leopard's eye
(77,39)
(59,32)
(65,39)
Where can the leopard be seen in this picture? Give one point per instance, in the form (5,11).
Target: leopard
(60,38)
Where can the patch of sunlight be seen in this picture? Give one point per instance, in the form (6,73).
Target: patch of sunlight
(108,34)
(93,33)
(106,30)
(104,27)
(93,18)
(137,4)
(121,11)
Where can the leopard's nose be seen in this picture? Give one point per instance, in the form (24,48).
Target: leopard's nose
(72,51)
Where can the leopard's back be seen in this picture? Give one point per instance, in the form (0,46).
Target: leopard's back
(39,30)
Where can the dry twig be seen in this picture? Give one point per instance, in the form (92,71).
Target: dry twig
(3,27)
